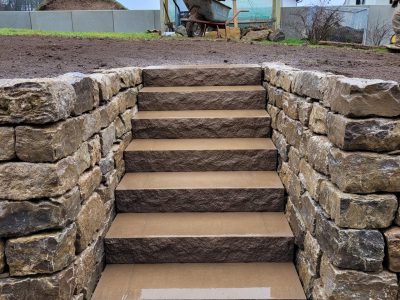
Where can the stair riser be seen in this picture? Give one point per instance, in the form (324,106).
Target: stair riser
(199,250)
(196,200)
(191,161)
(230,100)
(201,128)
(202,76)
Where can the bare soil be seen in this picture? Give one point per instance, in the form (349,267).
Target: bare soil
(80,5)
(47,56)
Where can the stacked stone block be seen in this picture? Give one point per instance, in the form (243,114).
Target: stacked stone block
(62,141)
(338,140)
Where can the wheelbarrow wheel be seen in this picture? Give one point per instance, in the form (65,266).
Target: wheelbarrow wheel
(194,29)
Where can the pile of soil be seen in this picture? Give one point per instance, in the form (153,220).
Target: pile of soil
(48,56)
(80,5)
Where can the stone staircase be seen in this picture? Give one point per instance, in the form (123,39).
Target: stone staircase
(200,209)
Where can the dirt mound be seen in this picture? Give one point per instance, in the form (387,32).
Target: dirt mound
(80,5)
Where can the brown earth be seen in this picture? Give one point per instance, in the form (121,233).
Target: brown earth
(44,56)
(80,5)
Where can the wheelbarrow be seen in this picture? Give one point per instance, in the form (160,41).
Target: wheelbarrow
(207,13)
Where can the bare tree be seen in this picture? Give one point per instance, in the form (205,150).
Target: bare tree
(378,32)
(319,22)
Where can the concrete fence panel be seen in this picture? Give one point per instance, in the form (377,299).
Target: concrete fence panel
(15,19)
(93,21)
(54,20)
(135,21)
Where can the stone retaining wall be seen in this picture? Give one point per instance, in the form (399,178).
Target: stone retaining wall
(61,158)
(339,140)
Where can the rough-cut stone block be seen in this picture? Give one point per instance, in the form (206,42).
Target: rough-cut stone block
(274,94)
(42,253)
(305,138)
(357,211)
(296,223)
(88,268)
(123,124)
(308,210)
(364,172)
(281,145)
(202,98)
(126,77)
(109,112)
(108,85)
(95,150)
(91,124)
(35,101)
(310,178)
(318,149)
(22,181)
(305,108)
(291,182)
(362,250)
(199,249)
(89,221)
(211,75)
(19,218)
(318,118)
(375,134)
(273,112)
(49,143)
(107,139)
(356,97)
(82,158)
(2,257)
(279,75)
(291,129)
(392,237)
(291,105)
(310,83)
(339,284)
(294,159)
(86,90)
(58,286)
(7,143)
(89,181)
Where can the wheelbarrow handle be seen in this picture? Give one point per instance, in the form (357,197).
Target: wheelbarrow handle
(235,15)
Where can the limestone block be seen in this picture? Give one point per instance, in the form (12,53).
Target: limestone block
(109,112)
(107,190)
(95,150)
(91,124)
(374,134)
(86,90)
(58,286)
(108,85)
(313,252)
(82,158)
(107,163)
(318,118)
(107,136)
(392,238)
(281,145)
(127,77)
(131,97)
(310,179)
(89,181)
(88,268)
(294,160)
(273,112)
(357,211)
(2,256)
(318,149)
(296,223)
(364,172)
(291,182)
(305,138)
(362,250)
(310,84)
(19,218)
(279,75)
(291,104)
(305,108)
(274,95)
(308,210)
(35,101)
(89,221)
(42,253)
(339,284)
(49,143)
(355,97)
(7,143)
(291,129)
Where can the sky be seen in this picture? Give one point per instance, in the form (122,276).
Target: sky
(140,4)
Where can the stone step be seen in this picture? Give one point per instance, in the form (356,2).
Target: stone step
(202,97)
(202,75)
(200,281)
(199,238)
(201,124)
(182,155)
(200,192)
